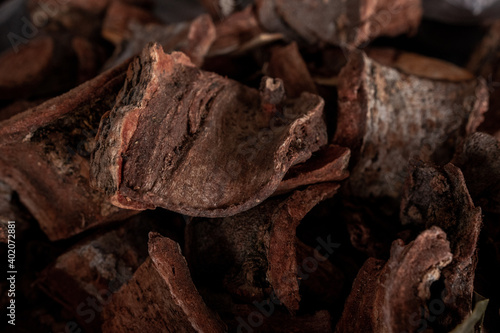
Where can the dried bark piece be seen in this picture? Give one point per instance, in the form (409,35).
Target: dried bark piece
(485,62)
(387,115)
(439,197)
(479,161)
(96,267)
(287,64)
(392,296)
(45,157)
(192,38)
(160,297)
(339,22)
(239,33)
(254,252)
(170,114)
(119,16)
(329,164)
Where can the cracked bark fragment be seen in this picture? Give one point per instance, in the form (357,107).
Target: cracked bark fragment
(329,164)
(392,296)
(389,114)
(439,197)
(192,38)
(100,264)
(339,22)
(160,297)
(151,148)
(255,252)
(45,155)
(479,161)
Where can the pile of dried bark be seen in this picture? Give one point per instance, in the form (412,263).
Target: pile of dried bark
(266,166)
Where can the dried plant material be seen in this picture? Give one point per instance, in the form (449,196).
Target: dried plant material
(485,62)
(339,22)
(479,161)
(192,38)
(170,114)
(254,253)
(387,116)
(235,31)
(329,164)
(221,9)
(287,64)
(474,321)
(119,16)
(392,296)
(439,197)
(160,297)
(96,267)
(44,156)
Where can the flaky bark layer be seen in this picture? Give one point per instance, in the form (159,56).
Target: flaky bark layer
(152,147)
(387,115)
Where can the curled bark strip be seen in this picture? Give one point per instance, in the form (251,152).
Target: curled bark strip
(45,155)
(160,297)
(387,115)
(339,22)
(151,149)
(329,164)
(439,197)
(255,252)
(392,296)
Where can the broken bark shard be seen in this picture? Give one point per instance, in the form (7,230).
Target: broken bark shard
(151,149)
(254,252)
(160,297)
(392,296)
(439,197)
(45,155)
(387,115)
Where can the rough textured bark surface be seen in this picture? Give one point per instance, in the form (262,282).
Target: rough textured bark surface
(439,197)
(45,155)
(392,296)
(160,297)
(345,23)
(151,148)
(479,161)
(192,38)
(254,253)
(389,114)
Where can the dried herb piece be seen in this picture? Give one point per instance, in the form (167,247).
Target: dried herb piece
(392,296)
(479,161)
(254,253)
(485,62)
(160,296)
(439,197)
(329,164)
(388,114)
(192,38)
(339,22)
(152,147)
(44,156)
(95,268)
(287,64)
